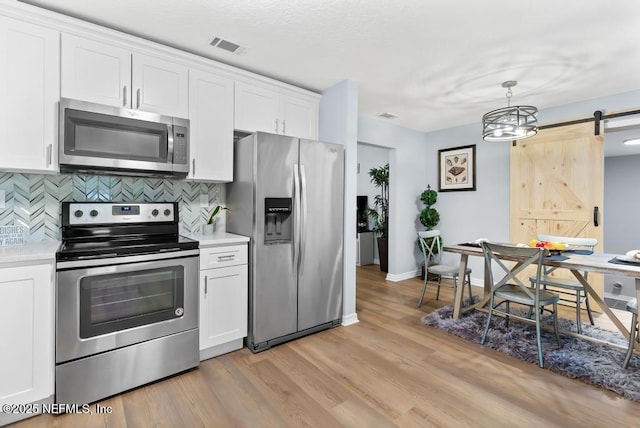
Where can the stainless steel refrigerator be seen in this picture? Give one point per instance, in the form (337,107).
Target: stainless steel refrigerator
(287,195)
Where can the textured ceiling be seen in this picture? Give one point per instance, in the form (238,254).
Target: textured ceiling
(433,63)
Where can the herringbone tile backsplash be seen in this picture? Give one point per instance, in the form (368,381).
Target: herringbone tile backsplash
(33,200)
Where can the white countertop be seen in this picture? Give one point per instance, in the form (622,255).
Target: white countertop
(44,252)
(219,238)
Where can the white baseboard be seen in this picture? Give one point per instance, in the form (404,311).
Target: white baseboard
(350,319)
(402,276)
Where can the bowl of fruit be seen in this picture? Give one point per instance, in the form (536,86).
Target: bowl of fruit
(554,247)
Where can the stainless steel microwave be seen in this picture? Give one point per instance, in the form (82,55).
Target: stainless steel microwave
(102,139)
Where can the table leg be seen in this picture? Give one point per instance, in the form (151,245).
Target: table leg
(457,301)
(603,306)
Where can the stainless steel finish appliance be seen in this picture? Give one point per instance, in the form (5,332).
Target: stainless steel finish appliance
(95,138)
(126,298)
(287,195)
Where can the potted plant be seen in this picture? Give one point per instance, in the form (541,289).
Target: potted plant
(210,226)
(380,213)
(429,216)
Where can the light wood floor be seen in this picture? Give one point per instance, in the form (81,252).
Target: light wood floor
(387,370)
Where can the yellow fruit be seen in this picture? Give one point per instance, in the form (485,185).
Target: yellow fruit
(533,242)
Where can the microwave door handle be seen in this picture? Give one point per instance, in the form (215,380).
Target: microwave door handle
(169,143)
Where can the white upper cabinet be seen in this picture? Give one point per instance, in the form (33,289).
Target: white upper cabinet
(29,93)
(299,117)
(211,125)
(160,86)
(95,72)
(106,74)
(259,108)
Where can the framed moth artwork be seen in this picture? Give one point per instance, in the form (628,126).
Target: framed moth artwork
(457,168)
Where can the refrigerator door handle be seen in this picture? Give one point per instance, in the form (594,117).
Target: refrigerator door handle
(303,216)
(295,248)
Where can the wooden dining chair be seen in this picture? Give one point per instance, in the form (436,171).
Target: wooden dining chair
(632,306)
(569,289)
(431,246)
(509,288)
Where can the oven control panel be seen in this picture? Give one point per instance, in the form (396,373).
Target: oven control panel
(80,213)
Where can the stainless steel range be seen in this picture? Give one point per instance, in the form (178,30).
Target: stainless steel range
(126,298)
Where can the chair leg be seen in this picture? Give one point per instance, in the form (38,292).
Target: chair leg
(438,292)
(632,340)
(586,304)
(506,317)
(424,288)
(486,326)
(540,362)
(469,285)
(578,320)
(555,323)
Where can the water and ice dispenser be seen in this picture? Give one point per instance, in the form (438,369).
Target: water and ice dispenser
(278,220)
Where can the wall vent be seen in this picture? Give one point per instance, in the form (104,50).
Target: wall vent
(227,45)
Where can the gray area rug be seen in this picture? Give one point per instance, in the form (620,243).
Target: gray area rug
(577,358)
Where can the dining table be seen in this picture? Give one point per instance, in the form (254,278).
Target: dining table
(576,262)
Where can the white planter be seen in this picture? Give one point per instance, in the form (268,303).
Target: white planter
(209,229)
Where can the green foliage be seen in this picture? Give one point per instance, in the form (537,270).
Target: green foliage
(215,212)
(380,213)
(429,216)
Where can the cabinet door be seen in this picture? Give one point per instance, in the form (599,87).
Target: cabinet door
(26,328)
(223,305)
(95,72)
(160,86)
(211,125)
(299,117)
(256,109)
(29,92)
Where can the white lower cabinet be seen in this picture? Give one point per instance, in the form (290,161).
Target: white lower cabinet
(224,289)
(27,331)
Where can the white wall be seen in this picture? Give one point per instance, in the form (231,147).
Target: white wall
(485,212)
(408,168)
(621,178)
(468,215)
(339,125)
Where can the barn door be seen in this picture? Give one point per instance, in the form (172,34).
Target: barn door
(557,180)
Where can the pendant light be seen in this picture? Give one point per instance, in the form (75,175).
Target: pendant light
(510,123)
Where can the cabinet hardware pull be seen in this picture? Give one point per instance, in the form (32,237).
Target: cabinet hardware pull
(49,155)
(276,126)
(124,96)
(284,126)
(596,213)
(205,284)
(193,172)
(227,257)
(138,98)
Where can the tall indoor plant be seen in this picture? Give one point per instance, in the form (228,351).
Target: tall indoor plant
(380,213)
(429,216)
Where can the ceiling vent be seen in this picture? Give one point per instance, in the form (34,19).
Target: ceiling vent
(227,45)
(387,116)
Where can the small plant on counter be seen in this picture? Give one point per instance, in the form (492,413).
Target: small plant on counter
(217,210)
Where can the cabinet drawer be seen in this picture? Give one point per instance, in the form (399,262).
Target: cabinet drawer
(214,257)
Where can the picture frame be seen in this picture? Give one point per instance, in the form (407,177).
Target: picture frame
(457,169)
